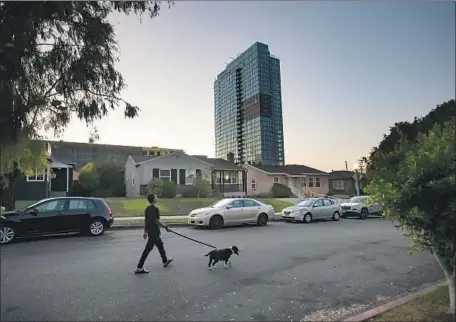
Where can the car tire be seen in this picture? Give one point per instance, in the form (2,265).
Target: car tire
(364,213)
(307,218)
(97,227)
(216,222)
(336,216)
(262,220)
(7,234)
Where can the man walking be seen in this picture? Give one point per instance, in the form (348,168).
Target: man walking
(152,231)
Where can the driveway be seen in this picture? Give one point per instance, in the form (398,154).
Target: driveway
(285,272)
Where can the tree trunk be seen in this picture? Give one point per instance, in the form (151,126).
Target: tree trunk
(450,272)
(7,194)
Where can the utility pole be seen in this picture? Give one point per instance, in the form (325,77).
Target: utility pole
(346,166)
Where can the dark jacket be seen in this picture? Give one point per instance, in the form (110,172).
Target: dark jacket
(152,215)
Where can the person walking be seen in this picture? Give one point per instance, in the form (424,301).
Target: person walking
(152,232)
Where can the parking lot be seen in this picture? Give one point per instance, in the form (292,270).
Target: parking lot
(285,271)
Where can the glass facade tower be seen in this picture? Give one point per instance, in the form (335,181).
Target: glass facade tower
(248,109)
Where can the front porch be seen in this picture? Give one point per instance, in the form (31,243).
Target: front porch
(229,183)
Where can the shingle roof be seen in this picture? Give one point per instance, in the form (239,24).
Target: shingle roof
(341,174)
(219,164)
(291,169)
(142,158)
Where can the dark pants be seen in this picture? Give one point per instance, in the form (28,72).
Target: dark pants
(151,242)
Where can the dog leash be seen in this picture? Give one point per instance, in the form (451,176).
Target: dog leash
(196,241)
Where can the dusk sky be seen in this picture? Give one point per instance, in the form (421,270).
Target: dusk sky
(349,71)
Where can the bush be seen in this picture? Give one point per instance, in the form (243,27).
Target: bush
(169,189)
(89,178)
(281,191)
(163,189)
(199,189)
(112,183)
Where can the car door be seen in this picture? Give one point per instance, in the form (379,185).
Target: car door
(318,209)
(234,214)
(77,214)
(250,210)
(328,208)
(46,220)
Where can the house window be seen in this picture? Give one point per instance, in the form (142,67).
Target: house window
(165,175)
(253,184)
(311,182)
(230,177)
(303,182)
(317,182)
(275,180)
(132,179)
(38,176)
(198,173)
(338,185)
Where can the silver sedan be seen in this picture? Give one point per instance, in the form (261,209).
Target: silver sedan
(312,208)
(231,212)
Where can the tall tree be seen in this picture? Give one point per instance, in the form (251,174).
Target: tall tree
(57,60)
(420,195)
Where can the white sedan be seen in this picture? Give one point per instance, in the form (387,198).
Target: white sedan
(312,208)
(231,212)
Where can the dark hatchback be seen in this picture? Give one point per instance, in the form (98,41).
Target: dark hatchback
(56,215)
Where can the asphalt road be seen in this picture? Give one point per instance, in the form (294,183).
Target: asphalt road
(284,272)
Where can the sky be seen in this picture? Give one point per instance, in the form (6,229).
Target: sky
(349,71)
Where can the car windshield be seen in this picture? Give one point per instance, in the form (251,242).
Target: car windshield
(357,199)
(221,203)
(306,203)
(32,205)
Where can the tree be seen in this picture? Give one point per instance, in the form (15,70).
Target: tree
(112,182)
(89,178)
(57,60)
(25,157)
(420,195)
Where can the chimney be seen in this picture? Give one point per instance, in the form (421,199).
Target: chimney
(230,157)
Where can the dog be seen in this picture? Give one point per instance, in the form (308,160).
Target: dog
(224,255)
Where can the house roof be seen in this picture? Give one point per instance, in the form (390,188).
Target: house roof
(341,174)
(219,164)
(58,164)
(142,158)
(290,169)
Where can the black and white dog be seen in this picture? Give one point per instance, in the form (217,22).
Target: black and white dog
(218,255)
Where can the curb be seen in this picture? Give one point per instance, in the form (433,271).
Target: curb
(369,314)
(139,226)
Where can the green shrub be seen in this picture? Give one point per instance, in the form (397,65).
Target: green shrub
(169,189)
(200,189)
(155,186)
(281,191)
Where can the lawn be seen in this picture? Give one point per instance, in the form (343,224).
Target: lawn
(134,207)
(432,306)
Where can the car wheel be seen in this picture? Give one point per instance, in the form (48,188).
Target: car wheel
(97,227)
(364,213)
(262,220)
(307,218)
(216,222)
(7,234)
(336,216)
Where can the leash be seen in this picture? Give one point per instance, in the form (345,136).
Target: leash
(194,240)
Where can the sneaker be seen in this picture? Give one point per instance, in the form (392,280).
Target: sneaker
(141,271)
(165,264)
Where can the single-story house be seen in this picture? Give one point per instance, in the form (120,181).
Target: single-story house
(342,182)
(55,180)
(226,178)
(301,179)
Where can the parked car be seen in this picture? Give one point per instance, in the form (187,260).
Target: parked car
(359,207)
(56,215)
(312,208)
(231,212)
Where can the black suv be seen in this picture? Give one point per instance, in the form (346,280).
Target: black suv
(56,215)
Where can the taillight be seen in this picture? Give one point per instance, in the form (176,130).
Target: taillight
(109,212)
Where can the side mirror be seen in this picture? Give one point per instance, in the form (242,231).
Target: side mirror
(229,207)
(33,212)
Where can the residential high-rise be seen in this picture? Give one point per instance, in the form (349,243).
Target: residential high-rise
(248,109)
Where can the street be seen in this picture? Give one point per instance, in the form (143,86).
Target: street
(284,272)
